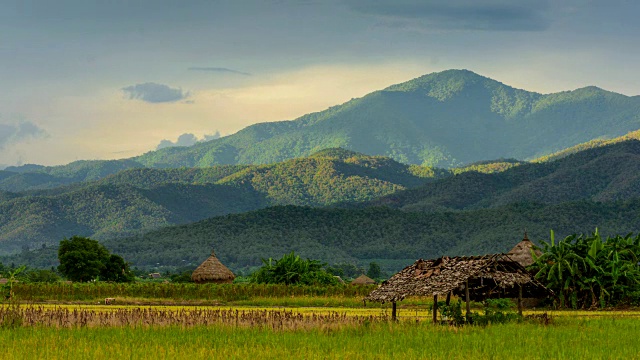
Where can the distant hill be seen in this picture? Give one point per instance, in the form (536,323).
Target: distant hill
(442,119)
(606,173)
(393,238)
(135,200)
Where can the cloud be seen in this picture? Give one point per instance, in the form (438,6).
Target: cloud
(20,131)
(154,93)
(490,15)
(219,69)
(187,139)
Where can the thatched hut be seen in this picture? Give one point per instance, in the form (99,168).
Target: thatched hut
(212,271)
(363,280)
(522,252)
(472,278)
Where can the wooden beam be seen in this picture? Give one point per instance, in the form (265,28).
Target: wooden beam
(435,308)
(466,295)
(520,300)
(449,298)
(393,311)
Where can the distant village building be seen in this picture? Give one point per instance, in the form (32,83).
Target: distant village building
(155,276)
(212,271)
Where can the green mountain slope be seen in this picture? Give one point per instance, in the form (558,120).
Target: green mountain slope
(390,237)
(442,119)
(605,173)
(141,199)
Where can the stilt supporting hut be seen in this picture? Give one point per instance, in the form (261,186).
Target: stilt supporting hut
(212,271)
(474,278)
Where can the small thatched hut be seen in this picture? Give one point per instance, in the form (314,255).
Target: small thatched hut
(522,252)
(471,278)
(212,271)
(363,280)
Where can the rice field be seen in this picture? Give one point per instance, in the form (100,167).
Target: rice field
(566,338)
(225,323)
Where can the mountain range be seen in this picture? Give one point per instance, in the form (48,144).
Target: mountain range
(456,214)
(401,173)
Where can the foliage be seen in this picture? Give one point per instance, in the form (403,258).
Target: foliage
(82,259)
(184,277)
(374,271)
(585,271)
(291,270)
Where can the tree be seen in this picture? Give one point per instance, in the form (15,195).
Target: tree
(117,270)
(83,259)
(374,271)
(291,269)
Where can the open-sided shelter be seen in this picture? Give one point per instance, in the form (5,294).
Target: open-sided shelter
(212,271)
(469,277)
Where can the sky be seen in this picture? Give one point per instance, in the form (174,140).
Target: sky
(83,79)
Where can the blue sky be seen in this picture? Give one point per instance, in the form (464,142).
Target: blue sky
(88,79)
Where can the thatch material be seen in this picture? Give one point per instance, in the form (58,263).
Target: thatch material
(489,276)
(522,252)
(3,281)
(363,280)
(212,271)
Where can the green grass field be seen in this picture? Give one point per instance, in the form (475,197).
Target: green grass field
(566,338)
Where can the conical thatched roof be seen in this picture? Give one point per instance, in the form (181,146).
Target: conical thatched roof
(363,280)
(212,271)
(522,252)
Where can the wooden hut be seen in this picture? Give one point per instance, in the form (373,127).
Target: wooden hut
(471,278)
(212,271)
(363,280)
(522,252)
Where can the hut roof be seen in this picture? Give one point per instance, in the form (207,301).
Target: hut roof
(212,270)
(3,281)
(363,280)
(522,252)
(489,276)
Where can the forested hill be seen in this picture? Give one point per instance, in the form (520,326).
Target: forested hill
(606,173)
(393,238)
(135,200)
(441,119)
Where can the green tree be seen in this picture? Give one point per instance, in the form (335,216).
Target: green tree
(291,269)
(117,270)
(83,259)
(374,271)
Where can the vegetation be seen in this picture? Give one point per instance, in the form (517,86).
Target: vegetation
(138,200)
(220,293)
(82,259)
(292,270)
(391,238)
(600,338)
(585,271)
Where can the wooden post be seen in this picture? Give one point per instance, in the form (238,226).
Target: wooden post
(520,300)
(466,294)
(448,298)
(435,308)
(393,311)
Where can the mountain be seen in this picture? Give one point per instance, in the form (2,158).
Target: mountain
(136,200)
(606,173)
(447,119)
(390,237)
(442,119)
